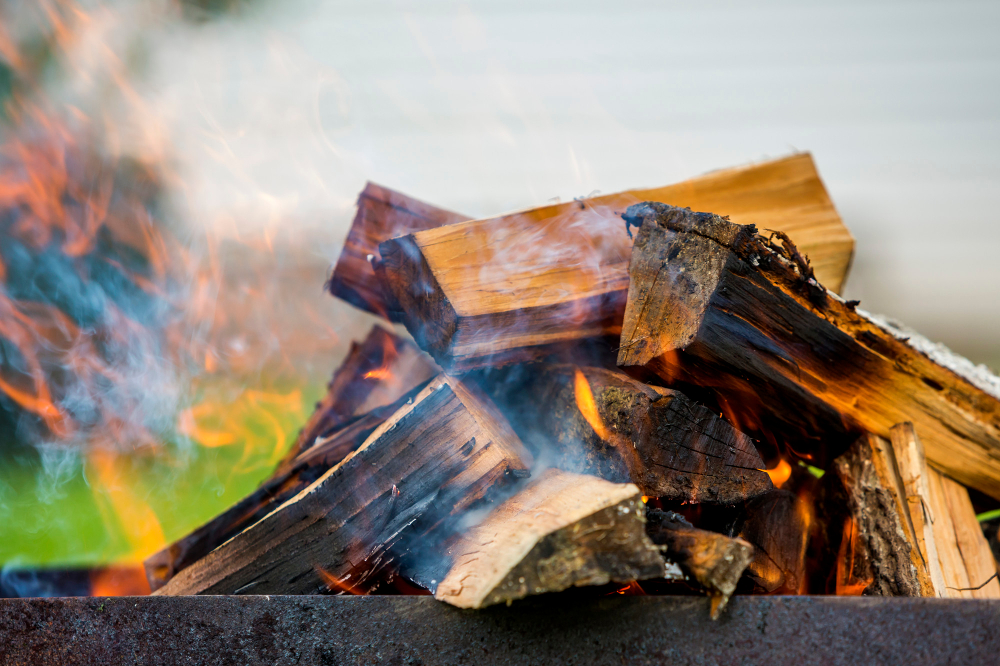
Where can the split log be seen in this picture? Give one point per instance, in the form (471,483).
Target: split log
(877,554)
(966,559)
(435,456)
(505,286)
(562,530)
(715,304)
(777,524)
(715,561)
(382,214)
(600,421)
(374,373)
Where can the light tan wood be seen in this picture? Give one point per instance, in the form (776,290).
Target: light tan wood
(713,304)
(559,273)
(913,474)
(953,569)
(972,545)
(561,530)
(435,456)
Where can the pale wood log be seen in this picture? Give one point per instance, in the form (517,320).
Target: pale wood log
(913,474)
(715,304)
(973,549)
(714,560)
(382,214)
(435,456)
(561,530)
(883,554)
(956,577)
(506,286)
(601,421)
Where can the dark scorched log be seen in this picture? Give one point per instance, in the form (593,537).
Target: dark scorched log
(434,457)
(603,422)
(562,530)
(382,214)
(777,524)
(714,560)
(715,304)
(507,287)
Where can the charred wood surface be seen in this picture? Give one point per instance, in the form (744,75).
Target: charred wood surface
(562,530)
(715,304)
(714,560)
(776,524)
(506,285)
(433,457)
(382,214)
(603,422)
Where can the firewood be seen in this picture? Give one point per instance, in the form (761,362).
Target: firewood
(382,214)
(715,304)
(561,530)
(374,373)
(603,422)
(878,553)
(714,560)
(966,559)
(913,473)
(500,288)
(435,456)
(777,525)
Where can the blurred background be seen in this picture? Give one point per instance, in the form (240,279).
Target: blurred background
(177,177)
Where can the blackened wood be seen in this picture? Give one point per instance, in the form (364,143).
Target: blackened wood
(714,560)
(382,214)
(777,524)
(435,456)
(562,530)
(716,304)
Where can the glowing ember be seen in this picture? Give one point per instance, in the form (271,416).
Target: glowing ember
(588,408)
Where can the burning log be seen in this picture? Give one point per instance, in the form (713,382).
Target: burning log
(435,456)
(382,214)
(777,525)
(716,561)
(561,530)
(713,303)
(603,422)
(966,559)
(374,373)
(878,553)
(506,286)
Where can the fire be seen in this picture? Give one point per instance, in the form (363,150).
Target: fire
(780,473)
(588,407)
(337,585)
(847,584)
(631,589)
(124,505)
(119,581)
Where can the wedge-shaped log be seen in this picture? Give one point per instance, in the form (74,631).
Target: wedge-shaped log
(562,530)
(603,422)
(375,373)
(382,214)
(714,560)
(436,455)
(878,552)
(508,285)
(716,304)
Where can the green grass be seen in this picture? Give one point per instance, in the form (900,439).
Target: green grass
(67,516)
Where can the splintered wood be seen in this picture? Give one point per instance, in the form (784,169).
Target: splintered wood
(432,458)
(714,303)
(560,531)
(505,286)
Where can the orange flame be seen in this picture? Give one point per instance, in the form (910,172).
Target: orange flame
(125,505)
(587,406)
(337,585)
(847,584)
(780,473)
(119,581)
(631,589)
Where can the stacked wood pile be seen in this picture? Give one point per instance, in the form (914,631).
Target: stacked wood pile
(621,392)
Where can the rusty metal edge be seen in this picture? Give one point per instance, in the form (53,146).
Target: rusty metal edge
(611,630)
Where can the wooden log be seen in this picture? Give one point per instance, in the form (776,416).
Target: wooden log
(601,421)
(966,559)
(434,457)
(374,373)
(562,530)
(880,555)
(777,525)
(715,304)
(382,214)
(714,560)
(505,286)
